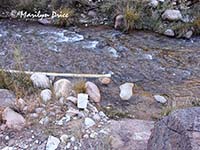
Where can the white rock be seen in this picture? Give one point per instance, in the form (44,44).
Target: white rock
(40,80)
(96,117)
(102,114)
(72,99)
(64,138)
(72,139)
(160,99)
(63,120)
(62,88)
(172,15)
(52,143)
(44,120)
(93,91)
(126,91)
(82,101)
(8,148)
(46,95)
(154,3)
(188,34)
(93,135)
(169,32)
(13,119)
(68,145)
(89,122)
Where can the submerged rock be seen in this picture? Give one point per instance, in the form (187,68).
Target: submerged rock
(126,91)
(93,91)
(62,88)
(40,80)
(13,119)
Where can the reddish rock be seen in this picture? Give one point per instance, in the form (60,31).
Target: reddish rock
(13,119)
(93,91)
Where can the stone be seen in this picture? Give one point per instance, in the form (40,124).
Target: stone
(63,120)
(105,81)
(45,21)
(126,91)
(188,34)
(96,117)
(128,132)
(89,122)
(82,101)
(119,22)
(8,148)
(64,138)
(160,99)
(44,121)
(40,80)
(68,145)
(92,14)
(172,15)
(7,98)
(154,3)
(72,99)
(180,130)
(46,95)
(13,119)
(93,91)
(169,32)
(52,143)
(20,103)
(62,88)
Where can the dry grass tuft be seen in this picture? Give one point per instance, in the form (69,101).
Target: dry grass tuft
(79,86)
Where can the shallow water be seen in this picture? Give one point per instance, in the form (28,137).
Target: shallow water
(156,64)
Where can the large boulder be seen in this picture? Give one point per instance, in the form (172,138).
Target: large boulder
(129,134)
(40,80)
(62,88)
(178,131)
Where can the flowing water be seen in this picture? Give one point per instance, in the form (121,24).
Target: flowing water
(156,64)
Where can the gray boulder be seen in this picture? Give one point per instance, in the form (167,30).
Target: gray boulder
(178,131)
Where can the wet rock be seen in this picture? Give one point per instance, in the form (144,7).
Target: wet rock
(105,81)
(154,3)
(169,32)
(180,130)
(52,143)
(40,80)
(62,88)
(119,22)
(172,15)
(126,91)
(188,34)
(13,119)
(82,101)
(127,132)
(46,95)
(45,21)
(89,122)
(93,91)
(72,99)
(92,14)
(160,99)
(7,98)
